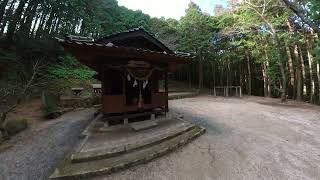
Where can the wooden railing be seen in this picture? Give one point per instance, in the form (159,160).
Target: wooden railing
(227,90)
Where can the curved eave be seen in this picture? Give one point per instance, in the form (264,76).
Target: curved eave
(88,53)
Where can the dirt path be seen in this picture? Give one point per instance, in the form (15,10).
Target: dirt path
(35,152)
(249,138)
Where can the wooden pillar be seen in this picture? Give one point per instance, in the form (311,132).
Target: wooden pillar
(167,90)
(236,91)
(214,91)
(102,86)
(124,89)
(227,91)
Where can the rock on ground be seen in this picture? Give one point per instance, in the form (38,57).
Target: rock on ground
(36,157)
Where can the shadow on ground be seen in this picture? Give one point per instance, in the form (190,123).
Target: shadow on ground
(212,127)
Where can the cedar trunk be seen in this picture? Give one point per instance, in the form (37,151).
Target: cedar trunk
(303,71)
(15,19)
(200,73)
(249,74)
(310,62)
(298,74)
(3,5)
(291,71)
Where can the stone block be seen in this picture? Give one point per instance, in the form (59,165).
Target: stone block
(16,126)
(126,121)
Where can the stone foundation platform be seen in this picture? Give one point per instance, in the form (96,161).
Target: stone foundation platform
(106,150)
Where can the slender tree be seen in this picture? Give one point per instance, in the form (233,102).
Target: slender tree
(15,19)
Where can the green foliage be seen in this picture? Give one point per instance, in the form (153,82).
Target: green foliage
(68,73)
(166,31)
(197,30)
(64,72)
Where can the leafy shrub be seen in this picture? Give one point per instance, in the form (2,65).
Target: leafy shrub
(69,70)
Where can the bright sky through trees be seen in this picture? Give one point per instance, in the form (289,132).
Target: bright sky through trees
(169,8)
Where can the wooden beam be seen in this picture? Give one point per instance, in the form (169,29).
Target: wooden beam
(167,90)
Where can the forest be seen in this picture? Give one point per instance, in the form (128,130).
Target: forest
(268,47)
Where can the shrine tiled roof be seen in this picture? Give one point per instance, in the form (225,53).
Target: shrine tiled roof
(82,42)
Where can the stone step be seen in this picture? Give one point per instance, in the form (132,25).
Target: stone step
(84,170)
(128,147)
(138,126)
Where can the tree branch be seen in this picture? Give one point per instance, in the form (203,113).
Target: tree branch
(302,15)
(21,96)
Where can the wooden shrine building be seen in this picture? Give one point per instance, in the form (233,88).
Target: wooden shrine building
(133,68)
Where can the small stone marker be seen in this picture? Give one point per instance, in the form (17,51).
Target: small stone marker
(153,117)
(126,121)
(50,102)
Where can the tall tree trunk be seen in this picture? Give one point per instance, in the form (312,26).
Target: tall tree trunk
(318,75)
(49,22)
(200,73)
(213,75)
(265,77)
(56,28)
(55,21)
(298,73)
(7,17)
(15,19)
(310,62)
(276,42)
(30,14)
(189,76)
(3,6)
(34,25)
(269,83)
(318,70)
(42,21)
(281,67)
(266,81)
(303,70)
(249,74)
(291,71)
(240,76)
(228,72)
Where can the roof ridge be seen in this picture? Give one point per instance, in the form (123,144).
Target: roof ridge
(140,28)
(126,31)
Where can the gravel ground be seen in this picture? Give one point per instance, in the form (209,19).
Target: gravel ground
(248,138)
(36,154)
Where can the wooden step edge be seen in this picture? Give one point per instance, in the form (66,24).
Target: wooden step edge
(107,153)
(107,170)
